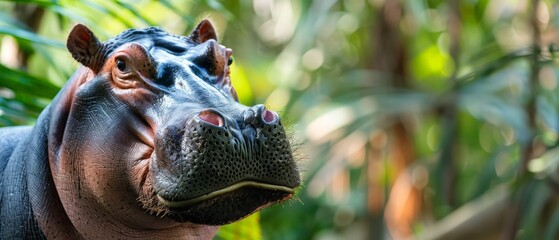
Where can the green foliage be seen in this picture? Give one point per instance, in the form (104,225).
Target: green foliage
(464,119)
(248,229)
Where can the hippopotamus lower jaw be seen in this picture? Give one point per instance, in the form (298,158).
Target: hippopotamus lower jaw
(216,163)
(235,187)
(228,207)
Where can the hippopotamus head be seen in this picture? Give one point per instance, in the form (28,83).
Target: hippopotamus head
(152,125)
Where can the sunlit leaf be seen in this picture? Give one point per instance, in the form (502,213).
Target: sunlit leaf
(20,81)
(189,20)
(241,84)
(22,34)
(248,228)
(432,66)
(134,11)
(218,6)
(109,11)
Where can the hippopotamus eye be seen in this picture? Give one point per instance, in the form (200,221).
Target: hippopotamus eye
(230,61)
(121,65)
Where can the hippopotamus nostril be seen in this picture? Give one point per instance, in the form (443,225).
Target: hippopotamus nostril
(211,117)
(268,116)
(259,116)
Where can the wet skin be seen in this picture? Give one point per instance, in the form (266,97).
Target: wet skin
(147,140)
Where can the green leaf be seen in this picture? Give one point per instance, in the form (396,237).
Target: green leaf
(134,11)
(493,67)
(110,12)
(246,229)
(20,81)
(548,113)
(22,34)
(497,111)
(515,76)
(533,196)
(552,228)
(218,6)
(189,20)
(487,176)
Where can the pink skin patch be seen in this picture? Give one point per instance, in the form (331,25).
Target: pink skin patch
(268,116)
(211,117)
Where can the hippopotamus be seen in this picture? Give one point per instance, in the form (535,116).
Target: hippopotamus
(147,140)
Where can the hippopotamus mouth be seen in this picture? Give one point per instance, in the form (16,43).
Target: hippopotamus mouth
(235,188)
(223,168)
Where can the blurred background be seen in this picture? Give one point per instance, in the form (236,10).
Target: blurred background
(423,119)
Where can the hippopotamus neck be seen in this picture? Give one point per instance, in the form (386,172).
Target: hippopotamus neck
(38,185)
(30,206)
(43,198)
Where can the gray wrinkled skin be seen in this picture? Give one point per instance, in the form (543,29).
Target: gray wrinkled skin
(146,141)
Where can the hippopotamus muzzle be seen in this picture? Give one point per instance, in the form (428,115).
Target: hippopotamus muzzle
(146,140)
(215,163)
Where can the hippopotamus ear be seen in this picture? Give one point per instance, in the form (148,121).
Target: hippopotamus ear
(85,47)
(203,32)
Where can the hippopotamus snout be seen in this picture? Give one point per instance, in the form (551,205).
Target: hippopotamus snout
(216,153)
